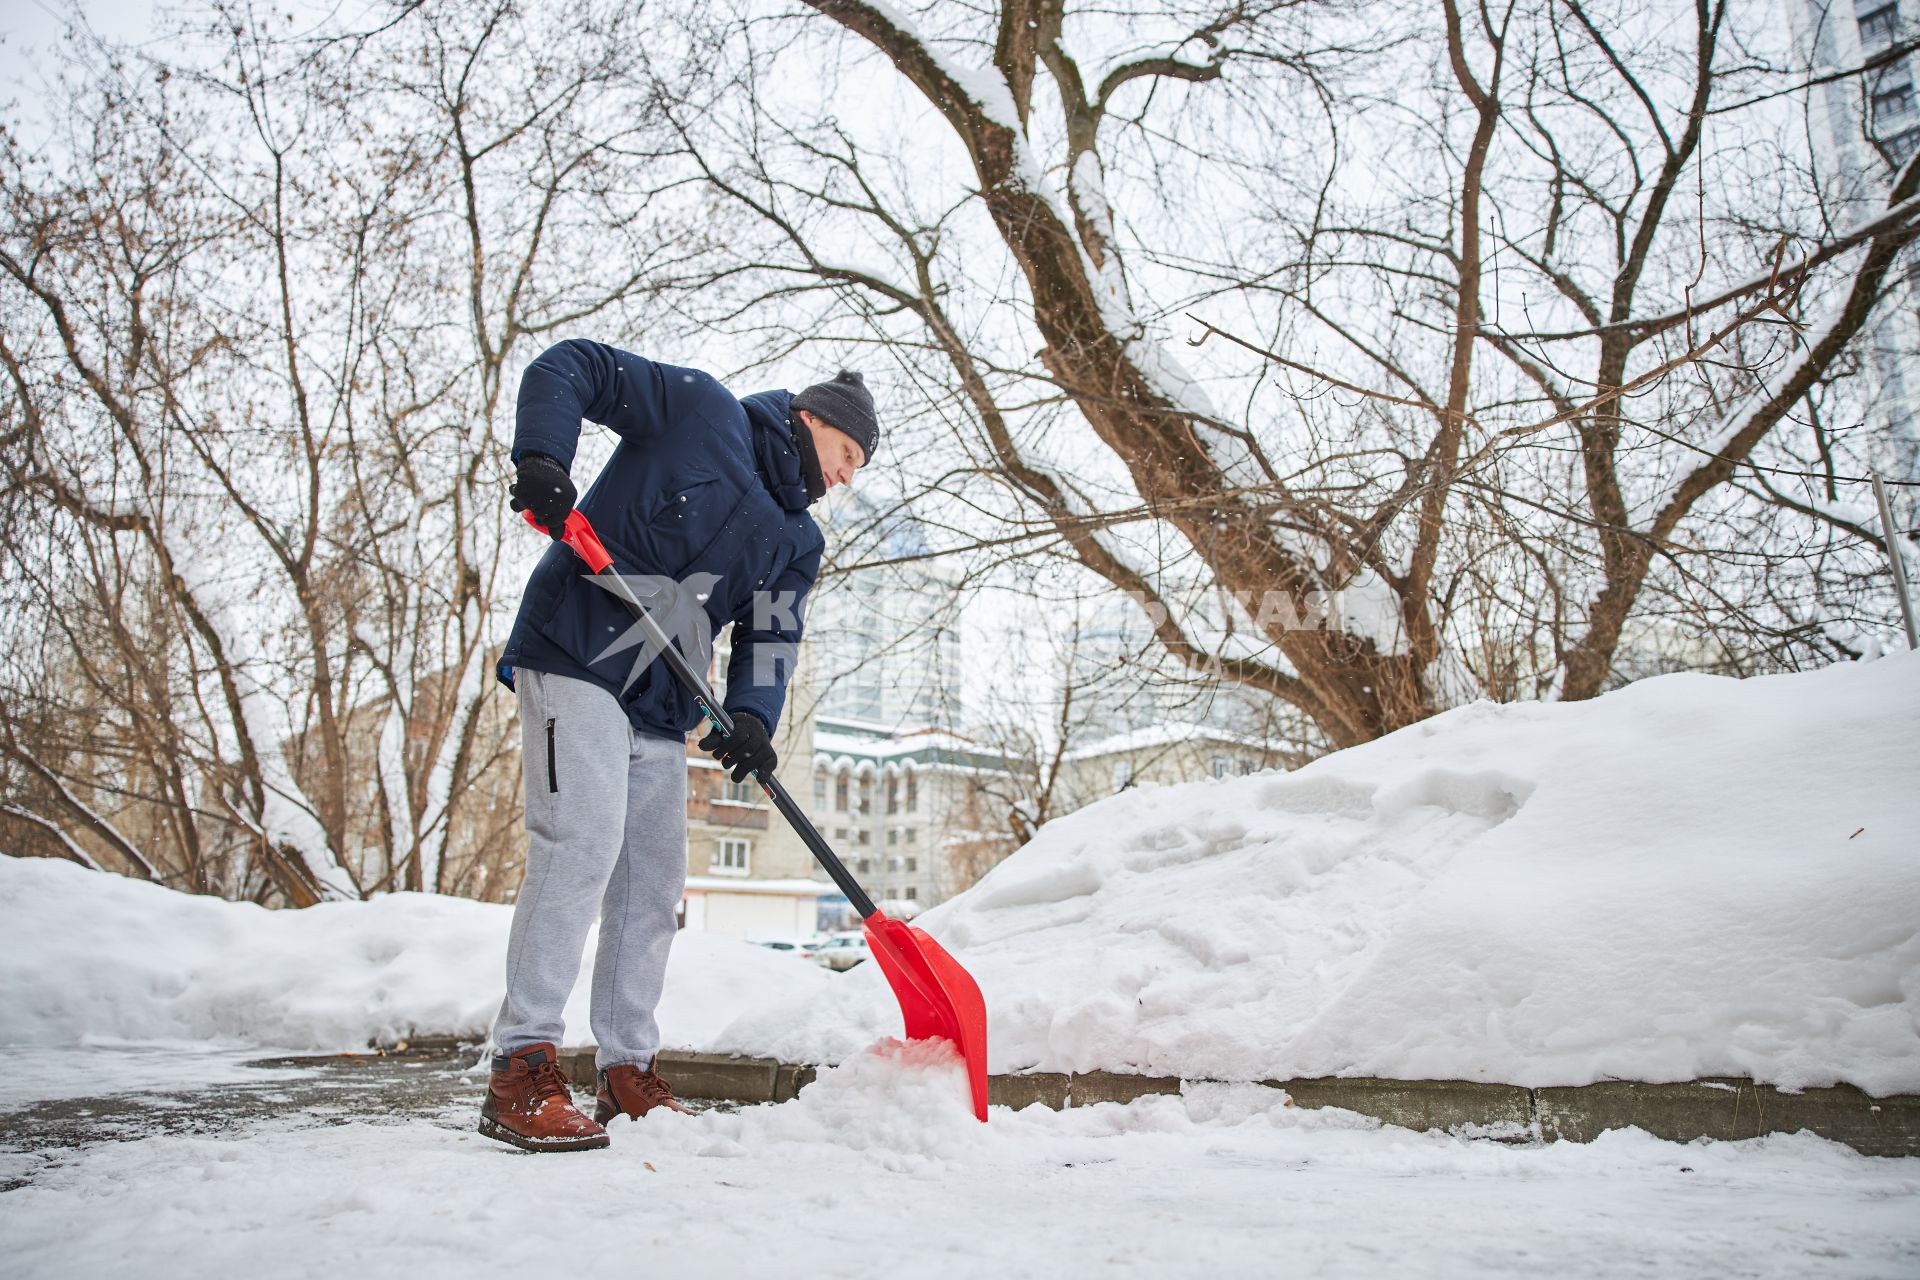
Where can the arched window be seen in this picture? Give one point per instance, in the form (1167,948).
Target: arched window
(913,792)
(840,792)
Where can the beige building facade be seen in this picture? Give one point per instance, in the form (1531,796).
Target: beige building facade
(1161,754)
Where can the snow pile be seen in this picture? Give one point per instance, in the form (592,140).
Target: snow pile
(95,957)
(906,1103)
(1690,877)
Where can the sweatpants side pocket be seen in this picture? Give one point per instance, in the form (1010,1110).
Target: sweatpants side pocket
(553,769)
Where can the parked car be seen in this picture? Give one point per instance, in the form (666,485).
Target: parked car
(842,951)
(805,950)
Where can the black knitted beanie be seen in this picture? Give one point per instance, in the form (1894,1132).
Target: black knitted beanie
(846,405)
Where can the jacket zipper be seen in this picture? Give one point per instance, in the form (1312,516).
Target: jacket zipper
(553,774)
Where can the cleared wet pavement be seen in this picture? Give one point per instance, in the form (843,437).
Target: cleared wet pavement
(441,1084)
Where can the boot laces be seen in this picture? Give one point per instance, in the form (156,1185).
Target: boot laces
(651,1090)
(654,1089)
(548,1082)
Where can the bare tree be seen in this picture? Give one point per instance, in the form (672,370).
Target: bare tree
(1376,198)
(259,315)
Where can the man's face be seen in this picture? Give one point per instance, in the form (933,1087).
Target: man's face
(840,456)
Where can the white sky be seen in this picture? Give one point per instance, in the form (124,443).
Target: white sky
(30,27)
(31,30)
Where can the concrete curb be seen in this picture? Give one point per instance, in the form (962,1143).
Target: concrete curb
(1724,1109)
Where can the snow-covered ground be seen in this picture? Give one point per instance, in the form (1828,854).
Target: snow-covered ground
(878,1170)
(1689,877)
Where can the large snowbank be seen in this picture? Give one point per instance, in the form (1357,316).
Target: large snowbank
(1690,877)
(96,957)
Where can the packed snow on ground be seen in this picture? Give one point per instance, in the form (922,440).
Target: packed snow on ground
(878,1170)
(103,960)
(1693,876)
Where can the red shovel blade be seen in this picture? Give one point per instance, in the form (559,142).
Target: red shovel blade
(937,997)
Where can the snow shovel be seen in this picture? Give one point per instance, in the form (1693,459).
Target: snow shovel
(937,997)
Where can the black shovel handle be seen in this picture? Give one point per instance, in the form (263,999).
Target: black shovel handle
(579,535)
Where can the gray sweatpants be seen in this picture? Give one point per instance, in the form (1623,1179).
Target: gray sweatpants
(606,831)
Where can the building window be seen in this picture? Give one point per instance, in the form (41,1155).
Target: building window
(893,795)
(893,835)
(912,894)
(819,790)
(866,794)
(863,837)
(913,864)
(893,864)
(863,865)
(1900,146)
(731,856)
(840,794)
(1222,767)
(913,835)
(740,792)
(1877,27)
(913,793)
(1892,104)
(1122,774)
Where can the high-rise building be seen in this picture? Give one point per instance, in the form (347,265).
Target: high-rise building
(885,640)
(1121,679)
(1864,128)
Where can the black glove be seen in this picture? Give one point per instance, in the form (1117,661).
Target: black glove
(544,488)
(746,750)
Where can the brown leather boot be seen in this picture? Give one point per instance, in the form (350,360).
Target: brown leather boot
(628,1090)
(529,1105)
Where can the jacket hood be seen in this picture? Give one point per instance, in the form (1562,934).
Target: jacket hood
(775,455)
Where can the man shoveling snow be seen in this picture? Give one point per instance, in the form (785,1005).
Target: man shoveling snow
(707,496)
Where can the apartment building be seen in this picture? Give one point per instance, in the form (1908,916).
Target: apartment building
(913,813)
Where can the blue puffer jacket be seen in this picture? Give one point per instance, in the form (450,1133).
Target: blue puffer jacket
(701,483)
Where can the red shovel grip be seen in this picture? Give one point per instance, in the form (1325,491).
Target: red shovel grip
(579,535)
